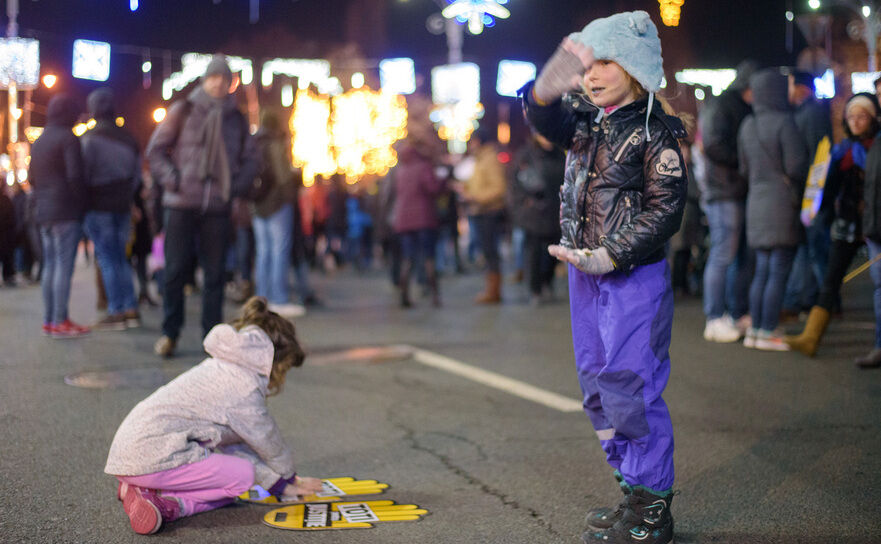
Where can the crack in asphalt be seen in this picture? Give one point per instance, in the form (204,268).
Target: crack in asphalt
(447,462)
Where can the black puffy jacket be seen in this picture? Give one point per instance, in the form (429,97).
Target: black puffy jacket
(620,190)
(56,168)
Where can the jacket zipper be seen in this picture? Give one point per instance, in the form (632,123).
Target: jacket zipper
(627,143)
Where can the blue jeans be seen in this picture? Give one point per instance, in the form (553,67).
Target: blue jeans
(110,233)
(808,269)
(769,282)
(875,271)
(274,237)
(60,241)
(489,231)
(518,247)
(728,269)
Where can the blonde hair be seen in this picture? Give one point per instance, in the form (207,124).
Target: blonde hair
(639,91)
(288,353)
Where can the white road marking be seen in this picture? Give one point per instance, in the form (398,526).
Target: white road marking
(497,381)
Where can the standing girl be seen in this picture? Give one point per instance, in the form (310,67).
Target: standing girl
(622,199)
(844,194)
(774,159)
(206,437)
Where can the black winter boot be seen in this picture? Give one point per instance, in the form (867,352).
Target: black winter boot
(646,519)
(605,517)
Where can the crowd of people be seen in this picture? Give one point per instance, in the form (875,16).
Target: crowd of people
(209,206)
(610,183)
(208,195)
(772,255)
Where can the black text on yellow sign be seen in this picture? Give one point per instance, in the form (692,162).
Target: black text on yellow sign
(341,515)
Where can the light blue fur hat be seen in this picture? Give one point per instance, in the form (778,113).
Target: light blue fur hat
(630,39)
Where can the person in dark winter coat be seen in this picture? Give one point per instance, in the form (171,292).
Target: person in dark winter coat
(336,225)
(724,203)
(774,159)
(8,230)
(814,123)
(685,274)
(622,199)
(274,216)
(844,190)
(27,237)
(60,196)
(203,155)
(112,164)
(414,217)
(872,232)
(536,177)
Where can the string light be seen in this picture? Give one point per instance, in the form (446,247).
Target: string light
(350,134)
(311,136)
(477,13)
(670,11)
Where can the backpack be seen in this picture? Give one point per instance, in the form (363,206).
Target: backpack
(264,180)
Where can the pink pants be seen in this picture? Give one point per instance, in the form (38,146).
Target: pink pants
(201,486)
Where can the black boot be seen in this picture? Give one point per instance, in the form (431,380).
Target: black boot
(605,517)
(404,286)
(646,519)
(433,286)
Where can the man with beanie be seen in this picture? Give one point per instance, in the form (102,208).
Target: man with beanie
(59,196)
(202,155)
(111,159)
(728,272)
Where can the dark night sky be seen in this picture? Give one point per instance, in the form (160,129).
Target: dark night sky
(712,33)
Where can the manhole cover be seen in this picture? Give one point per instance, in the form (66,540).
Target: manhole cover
(143,378)
(366,355)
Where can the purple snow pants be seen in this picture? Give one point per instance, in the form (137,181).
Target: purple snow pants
(621,325)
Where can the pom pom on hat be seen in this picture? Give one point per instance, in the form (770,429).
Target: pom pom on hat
(631,40)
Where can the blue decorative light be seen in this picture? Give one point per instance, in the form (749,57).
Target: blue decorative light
(133,5)
(478,13)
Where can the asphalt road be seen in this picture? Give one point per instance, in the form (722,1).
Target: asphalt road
(770,448)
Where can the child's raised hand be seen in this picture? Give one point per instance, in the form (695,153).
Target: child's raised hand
(564,70)
(583,52)
(596,262)
(302,487)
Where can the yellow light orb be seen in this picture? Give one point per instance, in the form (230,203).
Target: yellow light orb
(159,114)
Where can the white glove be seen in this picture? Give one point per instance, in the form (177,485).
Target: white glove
(564,71)
(595,262)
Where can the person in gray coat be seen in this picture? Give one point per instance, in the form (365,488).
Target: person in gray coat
(774,159)
(202,155)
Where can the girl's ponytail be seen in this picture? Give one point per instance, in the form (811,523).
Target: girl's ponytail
(254,309)
(288,353)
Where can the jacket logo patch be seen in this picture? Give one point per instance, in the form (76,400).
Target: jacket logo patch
(668,164)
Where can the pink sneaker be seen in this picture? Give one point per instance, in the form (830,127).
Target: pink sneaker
(68,329)
(147,510)
(47,329)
